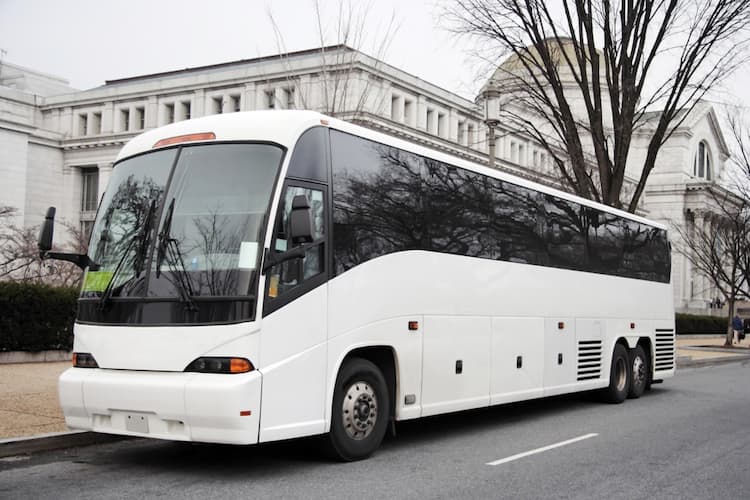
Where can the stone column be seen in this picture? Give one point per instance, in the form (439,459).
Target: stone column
(247,99)
(179,111)
(453,125)
(108,118)
(152,112)
(198,103)
(226,104)
(422,113)
(279,98)
(66,121)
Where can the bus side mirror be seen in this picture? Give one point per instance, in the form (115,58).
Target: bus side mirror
(300,221)
(44,243)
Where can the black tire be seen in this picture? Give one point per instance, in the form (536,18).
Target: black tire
(639,372)
(361,410)
(619,376)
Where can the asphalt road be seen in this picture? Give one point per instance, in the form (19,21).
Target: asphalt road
(687,438)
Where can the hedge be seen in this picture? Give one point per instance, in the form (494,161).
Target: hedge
(36,317)
(691,323)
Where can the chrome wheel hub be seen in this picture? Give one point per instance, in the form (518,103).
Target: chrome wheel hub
(359,410)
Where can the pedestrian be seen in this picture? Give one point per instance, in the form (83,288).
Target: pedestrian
(737,327)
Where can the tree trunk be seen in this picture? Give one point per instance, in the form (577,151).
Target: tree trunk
(730,330)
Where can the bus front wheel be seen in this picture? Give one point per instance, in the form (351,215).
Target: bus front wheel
(359,418)
(619,376)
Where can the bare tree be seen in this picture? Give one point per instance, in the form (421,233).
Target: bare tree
(584,73)
(344,91)
(717,244)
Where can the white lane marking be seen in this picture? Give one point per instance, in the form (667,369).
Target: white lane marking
(540,450)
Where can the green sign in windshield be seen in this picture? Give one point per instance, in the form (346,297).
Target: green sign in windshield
(97,281)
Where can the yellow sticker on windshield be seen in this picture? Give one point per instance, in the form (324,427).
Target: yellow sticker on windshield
(97,281)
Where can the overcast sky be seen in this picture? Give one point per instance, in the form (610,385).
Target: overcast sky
(88,42)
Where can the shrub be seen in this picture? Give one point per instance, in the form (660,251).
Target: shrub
(692,323)
(36,317)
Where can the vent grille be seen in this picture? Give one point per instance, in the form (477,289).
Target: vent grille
(589,359)
(664,358)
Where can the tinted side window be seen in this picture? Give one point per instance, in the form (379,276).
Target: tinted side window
(564,233)
(457,205)
(387,200)
(309,156)
(377,207)
(604,242)
(646,252)
(516,223)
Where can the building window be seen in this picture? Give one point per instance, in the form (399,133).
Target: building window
(125,119)
(236,103)
(441,125)
(217,105)
(170,112)
(409,112)
(89,189)
(461,139)
(470,135)
(270,99)
(83,123)
(140,118)
(431,125)
(186,109)
(513,152)
(96,124)
(702,162)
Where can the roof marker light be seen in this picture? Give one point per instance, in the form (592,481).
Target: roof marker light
(203,136)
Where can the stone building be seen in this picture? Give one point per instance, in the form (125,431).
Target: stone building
(59,143)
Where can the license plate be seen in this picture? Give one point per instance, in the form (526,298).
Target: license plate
(135,422)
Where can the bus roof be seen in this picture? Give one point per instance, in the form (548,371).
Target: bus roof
(284,127)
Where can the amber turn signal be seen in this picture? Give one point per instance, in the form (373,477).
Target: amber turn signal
(220,365)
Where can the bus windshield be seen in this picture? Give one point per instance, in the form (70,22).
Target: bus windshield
(183,223)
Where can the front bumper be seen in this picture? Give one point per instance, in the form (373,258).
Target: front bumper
(166,405)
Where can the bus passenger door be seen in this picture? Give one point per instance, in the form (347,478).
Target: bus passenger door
(294,331)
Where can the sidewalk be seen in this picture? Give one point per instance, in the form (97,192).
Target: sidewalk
(29,405)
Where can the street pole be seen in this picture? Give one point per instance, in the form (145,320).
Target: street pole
(491,126)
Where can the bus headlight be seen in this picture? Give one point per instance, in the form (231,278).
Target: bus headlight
(220,365)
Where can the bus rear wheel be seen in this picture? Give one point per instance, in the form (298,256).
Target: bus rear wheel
(359,418)
(639,372)
(620,374)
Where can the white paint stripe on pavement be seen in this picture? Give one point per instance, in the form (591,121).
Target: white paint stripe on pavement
(540,450)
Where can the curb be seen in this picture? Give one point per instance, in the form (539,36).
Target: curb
(49,442)
(688,362)
(9,357)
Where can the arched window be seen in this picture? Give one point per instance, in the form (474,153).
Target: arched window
(702,162)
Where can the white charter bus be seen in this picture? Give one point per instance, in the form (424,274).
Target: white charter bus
(261,276)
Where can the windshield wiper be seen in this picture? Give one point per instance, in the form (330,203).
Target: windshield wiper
(140,235)
(170,248)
